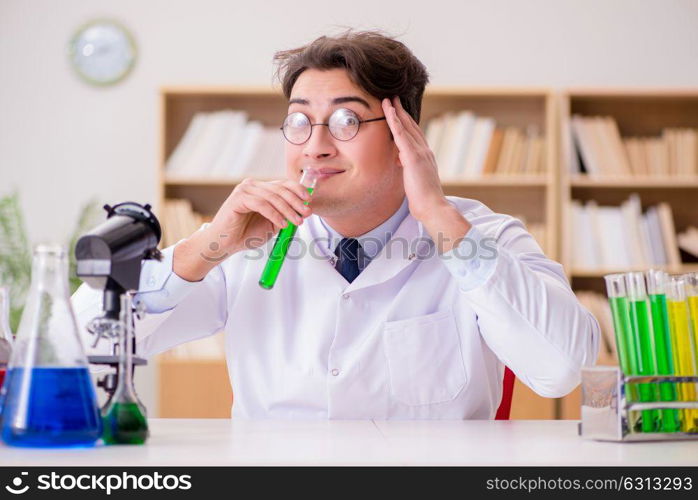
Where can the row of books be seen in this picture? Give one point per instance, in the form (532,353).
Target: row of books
(468,146)
(179,221)
(600,151)
(226,144)
(597,304)
(608,237)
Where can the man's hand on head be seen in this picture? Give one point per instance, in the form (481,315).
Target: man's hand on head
(420,174)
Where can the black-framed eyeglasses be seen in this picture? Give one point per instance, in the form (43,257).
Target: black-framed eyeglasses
(343,124)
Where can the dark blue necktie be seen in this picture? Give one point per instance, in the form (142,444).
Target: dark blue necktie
(347,253)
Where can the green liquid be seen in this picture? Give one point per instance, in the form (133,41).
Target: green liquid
(124,424)
(278,253)
(625,341)
(665,365)
(640,321)
(627,351)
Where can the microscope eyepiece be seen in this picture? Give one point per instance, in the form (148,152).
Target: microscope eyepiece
(137,212)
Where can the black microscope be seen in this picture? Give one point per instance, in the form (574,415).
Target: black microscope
(109,258)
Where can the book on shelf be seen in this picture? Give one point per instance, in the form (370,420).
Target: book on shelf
(688,240)
(179,221)
(597,304)
(468,146)
(227,144)
(599,150)
(608,237)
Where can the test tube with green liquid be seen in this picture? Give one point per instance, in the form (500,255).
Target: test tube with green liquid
(285,237)
(625,339)
(656,288)
(684,347)
(641,322)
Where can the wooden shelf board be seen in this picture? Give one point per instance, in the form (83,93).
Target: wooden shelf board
(216,90)
(597,273)
(499,181)
(203,181)
(451,91)
(436,91)
(635,92)
(663,182)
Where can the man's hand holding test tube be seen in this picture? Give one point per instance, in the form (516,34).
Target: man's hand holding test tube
(248,218)
(285,237)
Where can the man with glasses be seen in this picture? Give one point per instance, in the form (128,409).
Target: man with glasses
(399,302)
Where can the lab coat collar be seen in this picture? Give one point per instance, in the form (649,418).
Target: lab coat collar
(401,251)
(374,240)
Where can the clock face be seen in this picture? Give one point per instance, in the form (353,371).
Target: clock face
(102,52)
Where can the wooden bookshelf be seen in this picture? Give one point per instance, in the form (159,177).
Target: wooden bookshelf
(533,196)
(540,198)
(638,112)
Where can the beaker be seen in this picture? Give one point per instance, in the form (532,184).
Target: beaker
(6,338)
(50,400)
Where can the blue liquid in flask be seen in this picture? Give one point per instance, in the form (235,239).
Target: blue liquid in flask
(50,407)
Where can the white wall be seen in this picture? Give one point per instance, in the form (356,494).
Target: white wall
(62,141)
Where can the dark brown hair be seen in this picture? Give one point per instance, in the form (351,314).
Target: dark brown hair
(378,64)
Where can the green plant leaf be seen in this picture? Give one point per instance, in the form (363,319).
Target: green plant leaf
(15,252)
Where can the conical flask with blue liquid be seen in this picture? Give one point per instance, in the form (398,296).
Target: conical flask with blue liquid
(6,337)
(49,398)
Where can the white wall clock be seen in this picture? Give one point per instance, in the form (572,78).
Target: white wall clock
(102,52)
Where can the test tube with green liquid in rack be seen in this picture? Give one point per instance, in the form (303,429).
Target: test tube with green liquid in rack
(684,347)
(625,339)
(656,287)
(285,237)
(641,322)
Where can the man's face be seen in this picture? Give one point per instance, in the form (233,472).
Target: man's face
(370,173)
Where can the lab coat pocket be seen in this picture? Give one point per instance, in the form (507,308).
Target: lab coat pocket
(424,358)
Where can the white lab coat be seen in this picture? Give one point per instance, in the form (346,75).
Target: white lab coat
(412,337)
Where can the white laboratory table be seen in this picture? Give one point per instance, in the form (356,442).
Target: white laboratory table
(222,442)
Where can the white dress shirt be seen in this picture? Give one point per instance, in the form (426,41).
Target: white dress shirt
(416,335)
(372,242)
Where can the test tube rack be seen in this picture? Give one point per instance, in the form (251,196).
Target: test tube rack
(605,408)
